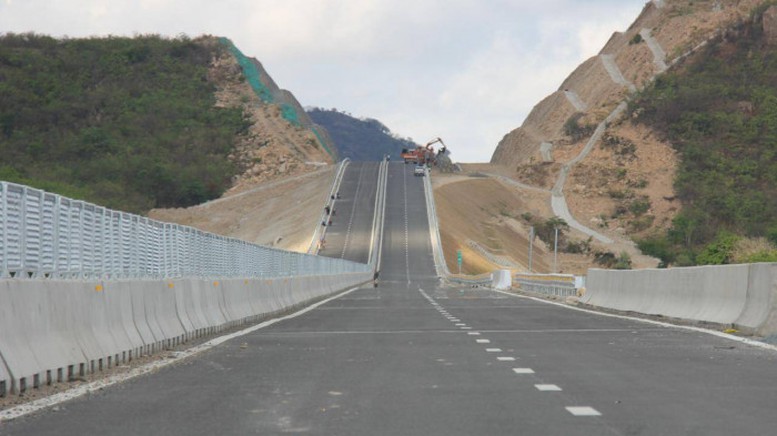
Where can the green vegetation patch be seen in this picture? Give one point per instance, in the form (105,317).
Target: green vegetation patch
(128,123)
(720,114)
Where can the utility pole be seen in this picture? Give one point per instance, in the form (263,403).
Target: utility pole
(555,251)
(531,243)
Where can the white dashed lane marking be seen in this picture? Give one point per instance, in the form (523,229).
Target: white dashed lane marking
(548,388)
(583,411)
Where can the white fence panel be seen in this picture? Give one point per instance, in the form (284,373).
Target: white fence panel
(43,235)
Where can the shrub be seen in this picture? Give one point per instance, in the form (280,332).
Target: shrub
(719,251)
(578,247)
(574,130)
(623,261)
(659,247)
(640,206)
(605,259)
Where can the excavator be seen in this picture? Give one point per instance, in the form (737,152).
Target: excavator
(422,155)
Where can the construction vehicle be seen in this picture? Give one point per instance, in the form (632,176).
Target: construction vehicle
(424,155)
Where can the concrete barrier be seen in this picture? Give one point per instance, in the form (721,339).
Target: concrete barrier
(189,297)
(178,288)
(120,302)
(109,324)
(52,330)
(760,312)
(501,279)
(16,338)
(741,295)
(162,297)
(5,378)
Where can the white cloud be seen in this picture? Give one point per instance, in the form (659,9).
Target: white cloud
(465,70)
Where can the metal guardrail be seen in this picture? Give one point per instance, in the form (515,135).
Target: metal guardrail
(44,235)
(379,216)
(320,232)
(560,285)
(439,256)
(434,227)
(550,284)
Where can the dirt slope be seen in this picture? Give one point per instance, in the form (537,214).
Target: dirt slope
(623,188)
(285,171)
(283,214)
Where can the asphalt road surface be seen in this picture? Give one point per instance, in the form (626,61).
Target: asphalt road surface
(348,237)
(413,358)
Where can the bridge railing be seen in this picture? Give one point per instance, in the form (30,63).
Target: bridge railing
(44,235)
(559,285)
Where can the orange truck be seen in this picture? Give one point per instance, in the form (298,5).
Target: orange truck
(422,155)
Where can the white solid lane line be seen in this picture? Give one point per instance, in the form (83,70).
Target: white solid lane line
(583,411)
(547,388)
(523,370)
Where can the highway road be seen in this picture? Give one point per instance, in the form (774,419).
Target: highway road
(412,357)
(349,235)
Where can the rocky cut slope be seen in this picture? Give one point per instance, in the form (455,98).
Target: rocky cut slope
(282,140)
(615,178)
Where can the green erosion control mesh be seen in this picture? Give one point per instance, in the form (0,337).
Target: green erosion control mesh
(252,75)
(249,70)
(290,114)
(322,142)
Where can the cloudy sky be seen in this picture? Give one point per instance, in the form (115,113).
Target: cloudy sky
(468,71)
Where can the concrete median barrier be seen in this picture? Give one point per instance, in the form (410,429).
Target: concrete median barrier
(120,302)
(16,336)
(760,312)
(178,289)
(52,330)
(741,295)
(161,297)
(189,296)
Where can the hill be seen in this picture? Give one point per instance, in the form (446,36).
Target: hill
(617,171)
(719,112)
(138,123)
(361,139)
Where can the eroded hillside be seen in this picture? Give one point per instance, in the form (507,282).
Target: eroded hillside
(579,145)
(285,162)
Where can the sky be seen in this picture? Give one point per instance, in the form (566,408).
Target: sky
(467,71)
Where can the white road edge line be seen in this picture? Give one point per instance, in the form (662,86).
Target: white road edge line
(752,342)
(76,392)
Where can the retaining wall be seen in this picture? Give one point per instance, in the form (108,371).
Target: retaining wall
(56,330)
(744,296)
